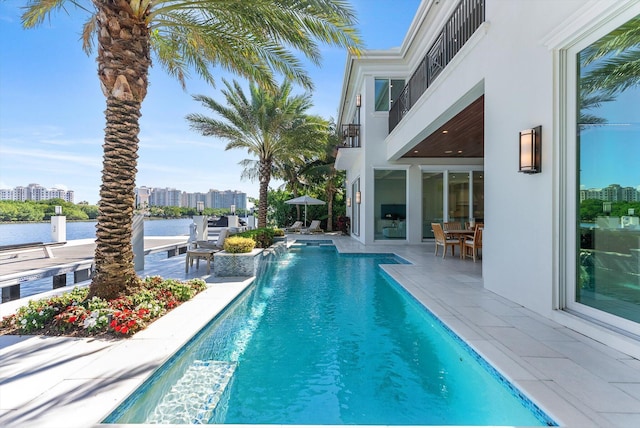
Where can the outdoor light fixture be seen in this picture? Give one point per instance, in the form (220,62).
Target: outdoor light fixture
(348,202)
(58,209)
(606,207)
(358,100)
(358,197)
(200,205)
(233,210)
(530,150)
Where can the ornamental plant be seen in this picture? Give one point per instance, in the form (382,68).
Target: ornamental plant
(239,244)
(73,314)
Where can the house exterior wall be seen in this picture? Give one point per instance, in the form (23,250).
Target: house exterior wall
(510,61)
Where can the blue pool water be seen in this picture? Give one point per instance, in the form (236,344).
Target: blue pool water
(324,338)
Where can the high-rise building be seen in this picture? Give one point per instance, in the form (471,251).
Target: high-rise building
(35,192)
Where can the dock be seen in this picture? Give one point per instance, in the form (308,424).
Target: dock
(22,266)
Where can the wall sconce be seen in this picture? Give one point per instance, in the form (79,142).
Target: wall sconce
(530,150)
(358,100)
(358,197)
(348,202)
(57,209)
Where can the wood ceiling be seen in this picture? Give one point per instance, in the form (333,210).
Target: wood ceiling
(462,136)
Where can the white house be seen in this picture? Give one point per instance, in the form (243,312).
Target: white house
(432,133)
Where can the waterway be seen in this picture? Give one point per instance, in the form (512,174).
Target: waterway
(21,233)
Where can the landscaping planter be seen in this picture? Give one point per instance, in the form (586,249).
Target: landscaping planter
(228,264)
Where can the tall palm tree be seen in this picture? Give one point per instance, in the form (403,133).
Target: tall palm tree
(251,38)
(262,124)
(323,171)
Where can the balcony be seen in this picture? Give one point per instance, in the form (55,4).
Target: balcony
(350,136)
(464,21)
(350,140)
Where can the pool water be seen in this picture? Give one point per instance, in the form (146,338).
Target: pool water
(324,338)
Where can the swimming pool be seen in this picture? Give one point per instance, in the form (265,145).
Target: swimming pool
(325,338)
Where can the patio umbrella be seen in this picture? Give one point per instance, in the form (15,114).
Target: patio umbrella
(305,200)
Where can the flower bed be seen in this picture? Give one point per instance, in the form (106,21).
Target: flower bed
(71,314)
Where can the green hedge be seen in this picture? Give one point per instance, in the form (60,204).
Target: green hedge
(262,236)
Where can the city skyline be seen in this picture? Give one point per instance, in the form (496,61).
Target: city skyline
(51,107)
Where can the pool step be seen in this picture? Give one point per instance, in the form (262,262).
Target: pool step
(195,395)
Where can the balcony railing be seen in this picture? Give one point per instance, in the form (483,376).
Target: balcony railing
(464,21)
(350,135)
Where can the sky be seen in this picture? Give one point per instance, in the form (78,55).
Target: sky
(52,109)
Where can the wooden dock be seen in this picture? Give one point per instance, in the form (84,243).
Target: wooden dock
(22,266)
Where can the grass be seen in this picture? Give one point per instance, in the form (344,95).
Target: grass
(72,314)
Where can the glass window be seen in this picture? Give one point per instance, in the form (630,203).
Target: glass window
(355,208)
(459,196)
(608,193)
(382,94)
(478,196)
(387,90)
(390,204)
(432,201)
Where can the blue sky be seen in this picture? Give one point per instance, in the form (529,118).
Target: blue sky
(610,153)
(52,109)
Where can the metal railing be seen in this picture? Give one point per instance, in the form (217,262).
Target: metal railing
(350,135)
(464,21)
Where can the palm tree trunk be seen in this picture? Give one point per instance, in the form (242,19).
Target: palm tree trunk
(123,67)
(114,270)
(264,170)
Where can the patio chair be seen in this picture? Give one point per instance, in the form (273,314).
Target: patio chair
(471,246)
(451,225)
(295,227)
(314,227)
(218,245)
(442,241)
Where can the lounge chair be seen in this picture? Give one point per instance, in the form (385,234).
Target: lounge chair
(314,227)
(217,245)
(295,227)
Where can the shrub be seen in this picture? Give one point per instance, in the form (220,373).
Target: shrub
(278,232)
(238,244)
(263,237)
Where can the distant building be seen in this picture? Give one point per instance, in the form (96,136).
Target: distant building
(613,193)
(176,198)
(35,192)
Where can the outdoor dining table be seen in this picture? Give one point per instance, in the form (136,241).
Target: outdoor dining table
(461,234)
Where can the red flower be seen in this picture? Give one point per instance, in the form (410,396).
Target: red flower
(124,329)
(72,319)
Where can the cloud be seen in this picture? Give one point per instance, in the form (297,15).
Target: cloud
(34,154)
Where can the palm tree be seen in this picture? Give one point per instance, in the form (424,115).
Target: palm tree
(611,65)
(614,61)
(262,124)
(323,171)
(250,38)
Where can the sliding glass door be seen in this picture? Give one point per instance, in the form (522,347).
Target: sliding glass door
(451,195)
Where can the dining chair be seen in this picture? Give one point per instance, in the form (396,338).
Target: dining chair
(442,241)
(471,246)
(451,225)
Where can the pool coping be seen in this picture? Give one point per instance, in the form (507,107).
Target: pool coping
(44,380)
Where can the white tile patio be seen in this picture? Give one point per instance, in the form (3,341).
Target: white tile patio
(63,382)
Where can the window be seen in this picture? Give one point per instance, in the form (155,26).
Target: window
(387,90)
(607,197)
(390,204)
